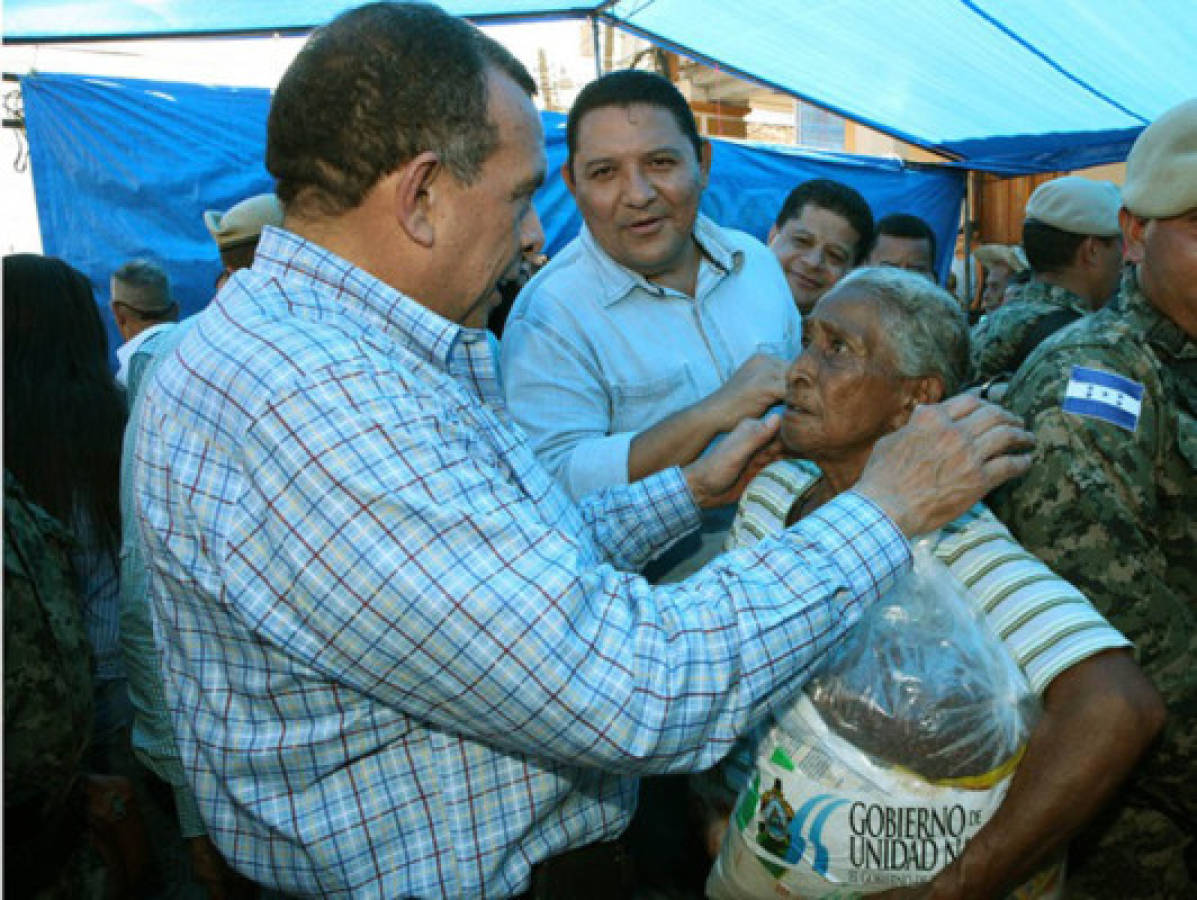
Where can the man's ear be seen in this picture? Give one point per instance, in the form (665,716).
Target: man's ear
(704,160)
(415,195)
(1091,251)
(123,319)
(772,234)
(1132,235)
(567,173)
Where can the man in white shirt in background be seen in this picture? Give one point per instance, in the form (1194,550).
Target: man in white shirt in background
(142,306)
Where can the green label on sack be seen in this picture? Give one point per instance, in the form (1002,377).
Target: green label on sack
(782,759)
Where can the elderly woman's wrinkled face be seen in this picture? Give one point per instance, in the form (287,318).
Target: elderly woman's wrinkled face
(843,390)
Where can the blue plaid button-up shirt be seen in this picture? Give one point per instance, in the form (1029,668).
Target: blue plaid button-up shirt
(400,661)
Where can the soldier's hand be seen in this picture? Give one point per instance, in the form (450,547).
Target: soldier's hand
(946,458)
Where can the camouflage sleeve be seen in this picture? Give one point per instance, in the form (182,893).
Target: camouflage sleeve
(47,660)
(1087,504)
(1089,507)
(993,343)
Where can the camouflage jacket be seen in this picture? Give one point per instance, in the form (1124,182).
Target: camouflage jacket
(1113,508)
(998,341)
(47,663)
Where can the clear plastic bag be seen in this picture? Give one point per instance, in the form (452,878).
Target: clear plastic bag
(894,756)
(923,683)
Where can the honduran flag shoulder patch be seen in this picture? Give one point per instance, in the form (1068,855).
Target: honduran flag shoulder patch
(1105,396)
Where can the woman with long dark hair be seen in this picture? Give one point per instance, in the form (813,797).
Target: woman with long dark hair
(64,418)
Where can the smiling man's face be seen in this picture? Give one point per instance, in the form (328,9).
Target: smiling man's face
(816,248)
(637,181)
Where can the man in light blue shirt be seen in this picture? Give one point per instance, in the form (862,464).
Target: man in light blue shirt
(655,331)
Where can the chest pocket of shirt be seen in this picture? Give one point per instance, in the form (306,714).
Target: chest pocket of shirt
(635,405)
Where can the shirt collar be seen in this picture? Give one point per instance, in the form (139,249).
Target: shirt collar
(1036,291)
(293,260)
(125,351)
(617,281)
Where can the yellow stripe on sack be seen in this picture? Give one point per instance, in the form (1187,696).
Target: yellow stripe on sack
(981,782)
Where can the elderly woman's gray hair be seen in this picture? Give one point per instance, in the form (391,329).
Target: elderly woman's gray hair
(926,327)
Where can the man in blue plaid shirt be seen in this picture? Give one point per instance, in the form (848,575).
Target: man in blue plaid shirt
(400,661)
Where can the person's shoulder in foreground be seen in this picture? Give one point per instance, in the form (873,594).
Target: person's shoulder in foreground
(1109,503)
(1111,407)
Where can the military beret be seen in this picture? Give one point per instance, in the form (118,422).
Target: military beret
(1161,171)
(244,221)
(1077,205)
(1001,255)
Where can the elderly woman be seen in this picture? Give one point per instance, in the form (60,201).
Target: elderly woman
(880,343)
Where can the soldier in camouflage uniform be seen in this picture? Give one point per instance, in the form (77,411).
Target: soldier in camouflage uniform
(1071,239)
(1111,500)
(47,710)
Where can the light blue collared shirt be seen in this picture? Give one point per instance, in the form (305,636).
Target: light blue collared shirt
(593,354)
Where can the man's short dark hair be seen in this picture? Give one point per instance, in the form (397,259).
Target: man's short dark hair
(373,89)
(628,88)
(908,226)
(835,197)
(1049,249)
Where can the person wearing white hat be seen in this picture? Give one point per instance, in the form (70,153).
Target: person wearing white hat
(237,231)
(1001,263)
(1109,502)
(1073,244)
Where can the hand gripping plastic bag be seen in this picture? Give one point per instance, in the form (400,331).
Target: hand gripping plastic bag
(892,757)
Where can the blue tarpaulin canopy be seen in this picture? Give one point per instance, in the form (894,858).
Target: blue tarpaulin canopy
(1002,85)
(125,168)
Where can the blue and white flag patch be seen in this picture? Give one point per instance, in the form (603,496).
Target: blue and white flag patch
(1105,396)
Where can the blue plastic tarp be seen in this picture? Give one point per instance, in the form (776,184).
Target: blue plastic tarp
(1004,86)
(1009,86)
(125,168)
(30,21)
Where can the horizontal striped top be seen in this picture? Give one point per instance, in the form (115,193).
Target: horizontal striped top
(1046,624)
